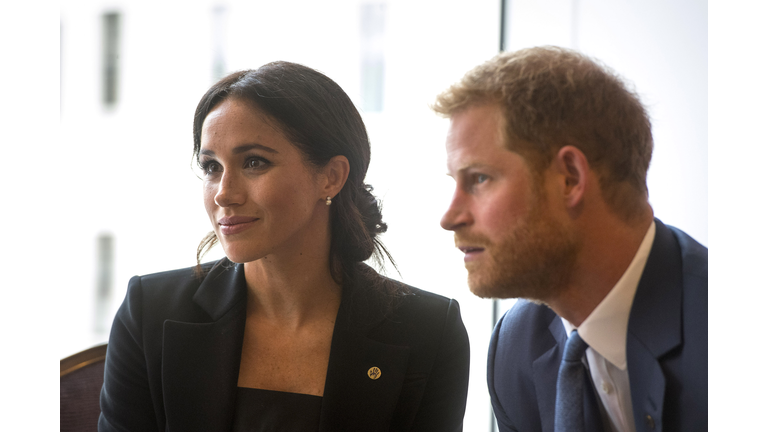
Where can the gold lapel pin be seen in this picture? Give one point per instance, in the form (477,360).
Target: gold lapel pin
(374,373)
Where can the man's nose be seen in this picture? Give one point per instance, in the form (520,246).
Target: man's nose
(458,213)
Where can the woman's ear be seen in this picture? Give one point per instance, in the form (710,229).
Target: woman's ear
(335,173)
(573,167)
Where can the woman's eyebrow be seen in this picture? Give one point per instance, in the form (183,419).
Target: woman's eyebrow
(243,149)
(246,147)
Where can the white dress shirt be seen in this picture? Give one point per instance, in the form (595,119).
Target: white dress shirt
(605,331)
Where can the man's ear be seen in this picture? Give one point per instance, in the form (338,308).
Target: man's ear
(335,174)
(573,167)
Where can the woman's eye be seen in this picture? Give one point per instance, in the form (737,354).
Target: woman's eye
(256,163)
(208,167)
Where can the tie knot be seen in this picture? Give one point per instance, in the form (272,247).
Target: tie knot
(575,347)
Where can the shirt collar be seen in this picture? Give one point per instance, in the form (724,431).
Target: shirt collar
(605,329)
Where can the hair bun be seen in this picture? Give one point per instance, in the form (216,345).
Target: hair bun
(370,210)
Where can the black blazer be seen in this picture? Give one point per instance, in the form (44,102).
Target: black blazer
(174,356)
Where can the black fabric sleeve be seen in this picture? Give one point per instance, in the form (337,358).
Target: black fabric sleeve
(445,396)
(126,401)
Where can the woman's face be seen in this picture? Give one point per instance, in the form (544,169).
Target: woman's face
(261,196)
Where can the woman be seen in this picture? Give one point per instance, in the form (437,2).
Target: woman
(291,331)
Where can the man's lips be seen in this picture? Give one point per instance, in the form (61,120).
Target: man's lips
(470,249)
(471,252)
(236,224)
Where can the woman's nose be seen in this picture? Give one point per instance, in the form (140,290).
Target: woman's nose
(230,191)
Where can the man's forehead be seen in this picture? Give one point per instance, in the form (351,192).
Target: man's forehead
(474,139)
(476,118)
(462,160)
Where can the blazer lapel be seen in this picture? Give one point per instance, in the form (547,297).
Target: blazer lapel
(201,361)
(654,327)
(545,370)
(355,398)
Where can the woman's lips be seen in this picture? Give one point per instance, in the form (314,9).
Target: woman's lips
(236,224)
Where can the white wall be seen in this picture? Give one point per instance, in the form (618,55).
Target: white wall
(127,171)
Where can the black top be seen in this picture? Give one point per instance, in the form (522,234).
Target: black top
(258,410)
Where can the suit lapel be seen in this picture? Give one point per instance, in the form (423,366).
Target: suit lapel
(545,370)
(654,326)
(201,361)
(352,399)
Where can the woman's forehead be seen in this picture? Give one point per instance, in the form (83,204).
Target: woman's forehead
(236,124)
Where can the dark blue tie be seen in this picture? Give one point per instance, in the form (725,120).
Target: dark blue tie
(569,405)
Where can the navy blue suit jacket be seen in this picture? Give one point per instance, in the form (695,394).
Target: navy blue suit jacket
(666,348)
(174,356)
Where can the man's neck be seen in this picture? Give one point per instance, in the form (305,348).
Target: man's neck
(609,245)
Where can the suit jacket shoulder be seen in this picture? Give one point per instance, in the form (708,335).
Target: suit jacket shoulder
(175,335)
(174,355)
(423,346)
(667,335)
(695,257)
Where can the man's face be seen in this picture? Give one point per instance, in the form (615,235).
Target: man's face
(513,244)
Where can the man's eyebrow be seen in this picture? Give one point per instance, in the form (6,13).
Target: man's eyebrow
(243,149)
(465,168)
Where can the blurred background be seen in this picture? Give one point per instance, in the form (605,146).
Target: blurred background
(131,73)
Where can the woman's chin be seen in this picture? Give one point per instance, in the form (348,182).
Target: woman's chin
(240,256)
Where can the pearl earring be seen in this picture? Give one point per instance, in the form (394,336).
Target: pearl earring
(327,200)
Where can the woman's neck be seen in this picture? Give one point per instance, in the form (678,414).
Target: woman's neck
(292,288)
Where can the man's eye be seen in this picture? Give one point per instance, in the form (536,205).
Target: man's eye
(480,178)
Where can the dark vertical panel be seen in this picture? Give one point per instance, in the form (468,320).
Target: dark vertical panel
(61,62)
(104,268)
(110,57)
(503,28)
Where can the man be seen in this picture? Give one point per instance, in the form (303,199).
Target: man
(549,151)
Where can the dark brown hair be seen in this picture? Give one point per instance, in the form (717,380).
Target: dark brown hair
(318,118)
(552,97)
